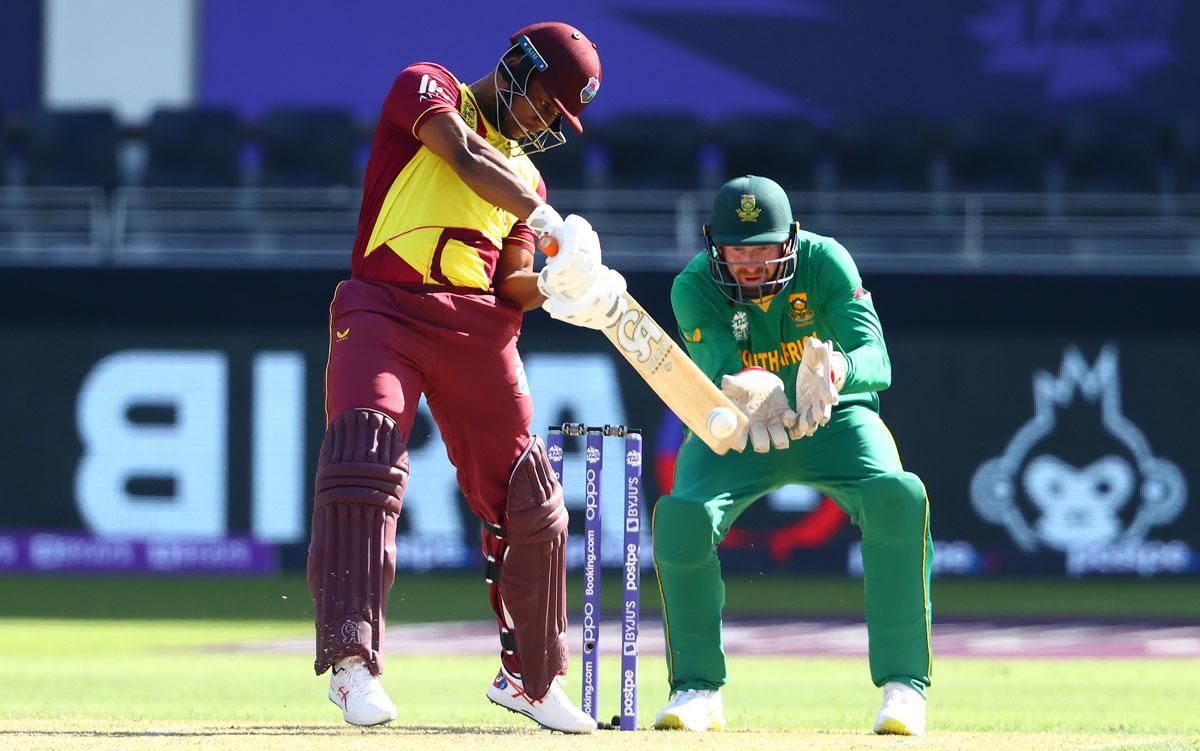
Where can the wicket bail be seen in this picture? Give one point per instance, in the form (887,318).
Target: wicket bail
(631,558)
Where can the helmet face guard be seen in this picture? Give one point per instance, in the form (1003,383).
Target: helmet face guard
(776,272)
(512,77)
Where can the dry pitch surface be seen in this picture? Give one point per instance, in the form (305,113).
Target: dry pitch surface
(143,735)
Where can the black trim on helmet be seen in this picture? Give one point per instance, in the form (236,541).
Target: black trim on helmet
(718,268)
(517,67)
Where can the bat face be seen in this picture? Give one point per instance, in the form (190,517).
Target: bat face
(672,375)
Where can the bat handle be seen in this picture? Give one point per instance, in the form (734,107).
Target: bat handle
(548,245)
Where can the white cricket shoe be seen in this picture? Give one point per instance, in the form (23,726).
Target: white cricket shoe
(693,709)
(554,711)
(359,693)
(903,711)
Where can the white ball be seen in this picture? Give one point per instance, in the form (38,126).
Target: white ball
(722,422)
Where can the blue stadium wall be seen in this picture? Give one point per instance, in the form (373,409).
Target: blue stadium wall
(168,421)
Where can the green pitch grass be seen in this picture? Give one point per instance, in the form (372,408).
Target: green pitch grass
(82,676)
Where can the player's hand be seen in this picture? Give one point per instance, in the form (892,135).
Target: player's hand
(821,370)
(759,394)
(575,267)
(543,220)
(598,308)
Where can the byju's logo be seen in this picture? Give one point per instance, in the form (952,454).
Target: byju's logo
(1079,474)
(1080,47)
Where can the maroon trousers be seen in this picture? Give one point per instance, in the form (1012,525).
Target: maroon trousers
(389,344)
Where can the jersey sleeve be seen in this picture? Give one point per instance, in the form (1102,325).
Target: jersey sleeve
(421,90)
(708,338)
(854,325)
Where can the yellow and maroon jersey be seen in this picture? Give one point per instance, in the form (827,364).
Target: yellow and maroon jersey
(420,223)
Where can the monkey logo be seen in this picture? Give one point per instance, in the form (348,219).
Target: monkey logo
(1079,474)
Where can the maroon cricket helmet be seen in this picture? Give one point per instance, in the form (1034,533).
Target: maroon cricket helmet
(567,65)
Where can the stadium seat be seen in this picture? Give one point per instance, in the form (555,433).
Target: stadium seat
(1115,152)
(1185,155)
(653,150)
(194,148)
(74,148)
(308,148)
(4,146)
(884,152)
(566,166)
(998,152)
(786,149)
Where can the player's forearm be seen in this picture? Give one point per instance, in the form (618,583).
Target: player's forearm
(867,369)
(520,288)
(486,173)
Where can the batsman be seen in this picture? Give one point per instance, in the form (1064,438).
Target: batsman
(778,317)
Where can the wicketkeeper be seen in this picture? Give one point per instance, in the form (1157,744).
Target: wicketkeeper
(778,317)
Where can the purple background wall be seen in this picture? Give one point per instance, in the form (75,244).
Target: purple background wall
(819,58)
(20,54)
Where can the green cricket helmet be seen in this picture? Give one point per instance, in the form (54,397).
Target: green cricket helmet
(751,210)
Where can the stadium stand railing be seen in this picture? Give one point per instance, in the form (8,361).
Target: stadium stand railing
(641,229)
(201,188)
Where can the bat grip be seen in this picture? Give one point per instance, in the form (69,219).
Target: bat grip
(548,245)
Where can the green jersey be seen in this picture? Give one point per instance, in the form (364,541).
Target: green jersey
(824,299)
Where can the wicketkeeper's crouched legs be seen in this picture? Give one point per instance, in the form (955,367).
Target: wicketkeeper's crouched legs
(897,553)
(360,482)
(526,573)
(689,576)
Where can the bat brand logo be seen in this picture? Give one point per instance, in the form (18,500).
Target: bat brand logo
(639,335)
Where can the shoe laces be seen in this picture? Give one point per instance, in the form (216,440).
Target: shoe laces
(899,695)
(361,678)
(686,695)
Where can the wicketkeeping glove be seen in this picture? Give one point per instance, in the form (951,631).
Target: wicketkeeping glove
(816,389)
(759,394)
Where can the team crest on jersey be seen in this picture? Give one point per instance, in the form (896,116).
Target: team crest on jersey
(693,337)
(798,309)
(469,114)
(588,92)
(748,211)
(740,326)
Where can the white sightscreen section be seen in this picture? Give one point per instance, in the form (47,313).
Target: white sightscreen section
(277,512)
(130,55)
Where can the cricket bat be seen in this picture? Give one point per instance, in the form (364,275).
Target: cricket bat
(671,374)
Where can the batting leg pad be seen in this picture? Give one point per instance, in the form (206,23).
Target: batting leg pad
(533,573)
(361,475)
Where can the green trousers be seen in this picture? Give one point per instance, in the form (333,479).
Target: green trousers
(854,461)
